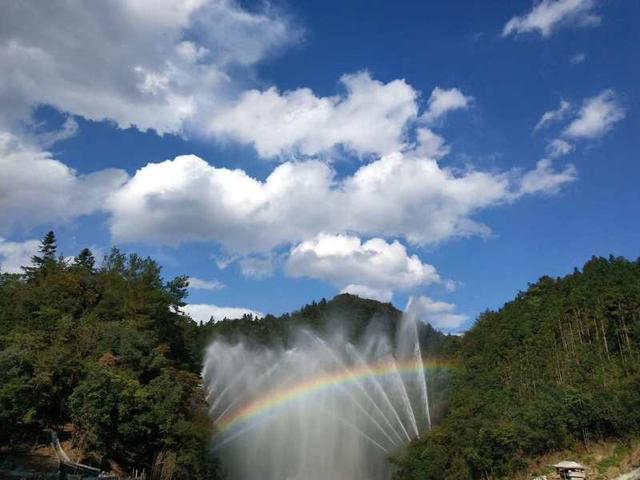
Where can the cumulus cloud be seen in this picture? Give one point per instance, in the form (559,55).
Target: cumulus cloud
(177,66)
(152,64)
(14,255)
(554,115)
(186,199)
(35,188)
(203,312)
(184,67)
(547,16)
(369,118)
(443,101)
(597,116)
(374,267)
(439,314)
(398,195)
(199,284)
(430,144)
(363,291)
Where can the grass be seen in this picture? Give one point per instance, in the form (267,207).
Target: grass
(620,452)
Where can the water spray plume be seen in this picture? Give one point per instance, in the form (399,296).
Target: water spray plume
(325,408)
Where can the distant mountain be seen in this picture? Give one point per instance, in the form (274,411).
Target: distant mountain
(352,314)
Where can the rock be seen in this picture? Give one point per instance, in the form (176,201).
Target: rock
(634,475)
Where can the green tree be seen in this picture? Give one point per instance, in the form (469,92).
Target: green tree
(85,260)
(43,263)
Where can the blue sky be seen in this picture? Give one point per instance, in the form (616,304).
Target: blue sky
(280,153)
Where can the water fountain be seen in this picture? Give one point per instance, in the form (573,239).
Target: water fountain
(320,409)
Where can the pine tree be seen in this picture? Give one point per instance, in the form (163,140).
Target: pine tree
(48,247)
(178,289)
(47,257)
(86,260)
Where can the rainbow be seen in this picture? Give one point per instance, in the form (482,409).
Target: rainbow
(278,398)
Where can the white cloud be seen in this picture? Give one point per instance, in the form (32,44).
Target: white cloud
(374,267)
(443,101)
(184,67)
(128,60)
(554,115)
(430,144)
(187,199)
(438,314)
(202,312)
(558,148)
(37,189)
(547,16)
(234,36)
(14,255)
(450,285)
(68,130)
(398,195)
(544,179)
(363,291)
(370,118)
(199,284)
(259,266)
(597,116)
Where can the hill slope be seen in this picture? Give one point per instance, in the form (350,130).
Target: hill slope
(347,312)
(103,353)
(559,364)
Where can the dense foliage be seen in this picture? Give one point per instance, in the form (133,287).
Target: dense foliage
(558,365)
(107,351)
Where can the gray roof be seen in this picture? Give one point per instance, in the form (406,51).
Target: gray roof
(568,464)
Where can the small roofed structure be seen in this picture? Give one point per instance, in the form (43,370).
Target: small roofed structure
(570,470)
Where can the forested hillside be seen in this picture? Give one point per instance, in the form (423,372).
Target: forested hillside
(346,312)
(558,365)
(102,348)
